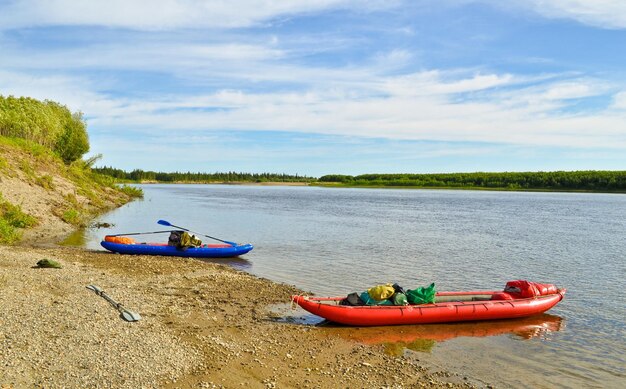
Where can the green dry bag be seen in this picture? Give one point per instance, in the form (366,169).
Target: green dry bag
(399,299)
(421,295)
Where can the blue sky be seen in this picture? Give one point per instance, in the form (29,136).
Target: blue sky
(330,86)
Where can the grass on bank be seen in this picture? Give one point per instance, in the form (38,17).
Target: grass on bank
(12,220)
(39,166)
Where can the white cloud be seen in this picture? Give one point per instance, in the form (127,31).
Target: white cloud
(151,56)
(428,105)
(619,100)
(206,79)
(392,116)
(393,59)
(218,82)
(434,83)
(609,14)
(161,14)
(76,93)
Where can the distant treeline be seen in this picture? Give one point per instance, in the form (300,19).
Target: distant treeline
(47,123)
(605,181)
(141,175)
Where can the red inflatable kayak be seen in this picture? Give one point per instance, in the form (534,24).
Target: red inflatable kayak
(519,299)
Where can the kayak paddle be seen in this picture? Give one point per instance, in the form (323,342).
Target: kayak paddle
(125,313)
(142,233)
(166,223)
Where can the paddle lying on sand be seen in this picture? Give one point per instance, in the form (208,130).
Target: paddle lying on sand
(125,313)
(166,223)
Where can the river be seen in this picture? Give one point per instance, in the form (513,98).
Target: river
(337,241)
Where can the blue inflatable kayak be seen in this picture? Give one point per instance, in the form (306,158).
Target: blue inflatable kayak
(204,251)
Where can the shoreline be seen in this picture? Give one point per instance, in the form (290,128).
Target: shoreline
(203,325)
(407,187)
(268,183)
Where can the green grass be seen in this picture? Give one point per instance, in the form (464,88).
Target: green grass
(12,219)
(45,181)
(132,191)
(72,216)
(8,233)
(31,148)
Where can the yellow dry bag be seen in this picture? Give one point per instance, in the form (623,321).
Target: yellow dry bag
(381,292)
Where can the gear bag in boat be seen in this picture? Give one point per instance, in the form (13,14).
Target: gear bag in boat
(421,295)
(182,240)
(352,299)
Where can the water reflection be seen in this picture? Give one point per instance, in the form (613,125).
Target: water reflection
(82,236)
(77,239)
(424,337)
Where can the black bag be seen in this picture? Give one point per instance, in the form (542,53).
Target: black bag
(175,237)
(398,289)
(352,299)
(183,241)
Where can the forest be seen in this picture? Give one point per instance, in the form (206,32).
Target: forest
(589,180)
(138,175)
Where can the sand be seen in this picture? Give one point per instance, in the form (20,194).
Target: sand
(203,325)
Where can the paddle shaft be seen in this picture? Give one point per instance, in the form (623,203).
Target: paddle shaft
(197,233)
(126,314)
(142,233)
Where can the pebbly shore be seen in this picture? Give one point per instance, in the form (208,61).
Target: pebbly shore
(203,325)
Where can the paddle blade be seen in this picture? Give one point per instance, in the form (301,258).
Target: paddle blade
(94,288)
(164,223)
(130,315)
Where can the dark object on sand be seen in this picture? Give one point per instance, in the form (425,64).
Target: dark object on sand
(48,263)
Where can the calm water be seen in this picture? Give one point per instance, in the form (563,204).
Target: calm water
(336,241)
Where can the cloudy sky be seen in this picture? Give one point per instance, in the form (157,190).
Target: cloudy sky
(330,86)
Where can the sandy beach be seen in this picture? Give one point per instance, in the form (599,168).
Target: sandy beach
(203,325)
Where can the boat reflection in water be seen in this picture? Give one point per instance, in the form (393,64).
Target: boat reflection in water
(424,337)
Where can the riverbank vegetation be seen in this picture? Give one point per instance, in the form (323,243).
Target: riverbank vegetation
(46,123)
(43,178)
(12,219)
(591,180)
(138,175)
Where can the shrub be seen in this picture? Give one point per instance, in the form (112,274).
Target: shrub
(73,141)
(8,233)
(11,219)
(47,123)
(45,181)
(71,216)
(132,191)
